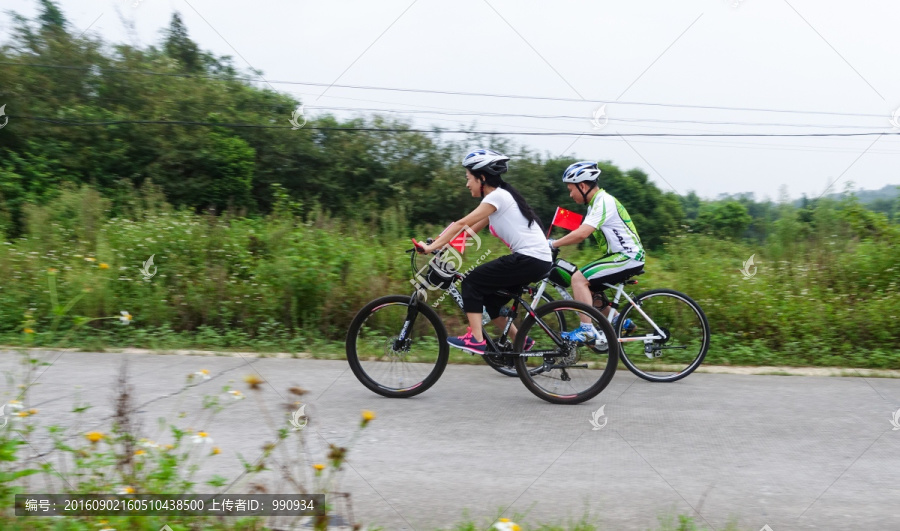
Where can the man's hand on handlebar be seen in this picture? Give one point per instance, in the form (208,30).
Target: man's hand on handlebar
(553,250)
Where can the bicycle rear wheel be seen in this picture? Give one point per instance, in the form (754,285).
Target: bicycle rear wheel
(676,352)
(384,364)
(569,372)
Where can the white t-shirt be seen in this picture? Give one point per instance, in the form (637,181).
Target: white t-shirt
(508,224)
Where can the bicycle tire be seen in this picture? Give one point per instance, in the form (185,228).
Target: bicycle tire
(551,384)
(391,389)
(675,321)
(505,364)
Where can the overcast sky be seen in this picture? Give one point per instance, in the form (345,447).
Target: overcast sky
(817,57)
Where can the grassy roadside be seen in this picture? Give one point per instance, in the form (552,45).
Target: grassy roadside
(826,298)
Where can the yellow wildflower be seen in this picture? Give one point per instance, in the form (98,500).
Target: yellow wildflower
(253,381)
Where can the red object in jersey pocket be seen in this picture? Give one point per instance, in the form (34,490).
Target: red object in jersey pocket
(566,219)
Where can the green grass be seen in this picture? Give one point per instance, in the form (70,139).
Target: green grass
(284,284)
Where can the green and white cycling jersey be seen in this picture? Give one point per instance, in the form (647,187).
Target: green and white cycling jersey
(613,228)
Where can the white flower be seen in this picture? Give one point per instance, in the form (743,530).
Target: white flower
(236,394)
(203,373)
(201,438)
(125,318)
(126,489)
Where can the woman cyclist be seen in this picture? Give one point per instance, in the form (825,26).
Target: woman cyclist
(516,224)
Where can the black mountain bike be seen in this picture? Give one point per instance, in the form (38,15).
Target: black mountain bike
(397,344)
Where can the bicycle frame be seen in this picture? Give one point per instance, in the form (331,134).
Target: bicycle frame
(619,293)
(493,347)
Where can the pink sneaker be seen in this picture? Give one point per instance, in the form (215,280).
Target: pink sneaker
(468,343)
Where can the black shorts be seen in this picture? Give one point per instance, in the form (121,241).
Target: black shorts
(507,272)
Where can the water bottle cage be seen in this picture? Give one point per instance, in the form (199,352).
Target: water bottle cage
(507,312)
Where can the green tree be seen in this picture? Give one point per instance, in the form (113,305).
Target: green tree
(51,17)
(728,219)
(180,47)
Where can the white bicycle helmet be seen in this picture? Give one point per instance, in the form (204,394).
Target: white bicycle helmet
(487,161)
(581,172)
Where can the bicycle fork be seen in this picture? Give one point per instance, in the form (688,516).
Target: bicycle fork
(412,311)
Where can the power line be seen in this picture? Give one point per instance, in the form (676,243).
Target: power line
(585,118)
(441,92)
(702,143)
(476,114)
(53,121)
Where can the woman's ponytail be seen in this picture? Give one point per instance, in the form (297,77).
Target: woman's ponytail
(497,182)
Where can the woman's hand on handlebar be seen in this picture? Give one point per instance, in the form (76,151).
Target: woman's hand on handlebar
(423,248)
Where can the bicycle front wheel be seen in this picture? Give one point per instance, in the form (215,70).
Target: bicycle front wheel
(562,371)
(388,366)
(669,337)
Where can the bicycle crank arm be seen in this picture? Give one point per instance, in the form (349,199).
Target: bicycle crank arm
(640,338)
(534,353)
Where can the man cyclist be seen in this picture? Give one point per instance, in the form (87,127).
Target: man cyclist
(620,245)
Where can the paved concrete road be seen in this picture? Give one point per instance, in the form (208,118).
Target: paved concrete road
(784,451)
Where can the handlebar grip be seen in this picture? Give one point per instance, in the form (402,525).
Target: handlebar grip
(418,246)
